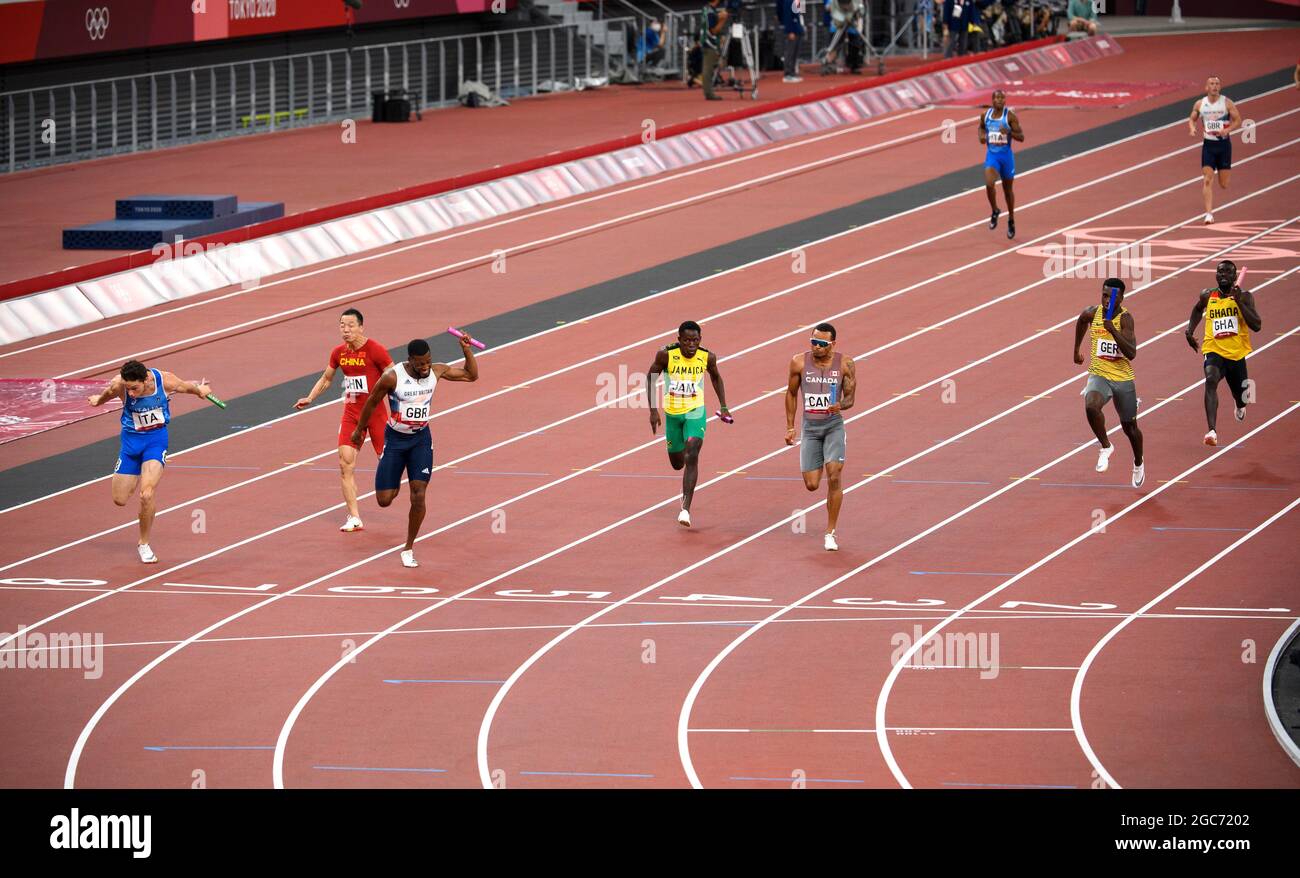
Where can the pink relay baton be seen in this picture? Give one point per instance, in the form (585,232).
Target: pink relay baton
(726,419)
(1241,277)
(475,342)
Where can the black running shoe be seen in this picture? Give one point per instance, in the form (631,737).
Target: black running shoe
(993,221)
(1011,229)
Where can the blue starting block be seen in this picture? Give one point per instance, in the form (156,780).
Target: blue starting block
(146,220)
(176,206)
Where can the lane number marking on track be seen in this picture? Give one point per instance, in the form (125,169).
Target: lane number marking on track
(34,580)
(266,586)
(381,589)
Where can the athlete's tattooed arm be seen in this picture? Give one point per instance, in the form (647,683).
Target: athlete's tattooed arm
(172,384)
(848,387)
(112,391)
(1081,329)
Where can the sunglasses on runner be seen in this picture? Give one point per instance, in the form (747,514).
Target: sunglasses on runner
(820,342)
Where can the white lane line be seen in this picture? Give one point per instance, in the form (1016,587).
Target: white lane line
(1076,691)
(504,690)
(278,763)
(874,301)
(839,157)
(723,273)
(672,177)
(890,729)
(29,647)
(683,743)
(487,258)
(883,699)
(730,357)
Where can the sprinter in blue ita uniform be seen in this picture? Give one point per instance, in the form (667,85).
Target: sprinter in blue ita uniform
(998,127)
(145,415)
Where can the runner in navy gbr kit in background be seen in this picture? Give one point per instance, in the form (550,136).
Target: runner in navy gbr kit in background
(146,413)
(407,389)
(998,127)
(825,381)
(1218,117)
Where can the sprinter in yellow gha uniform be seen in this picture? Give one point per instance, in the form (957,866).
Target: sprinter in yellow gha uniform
(1230,317)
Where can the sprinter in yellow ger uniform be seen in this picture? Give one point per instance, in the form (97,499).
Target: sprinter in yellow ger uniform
(1113,342)
(685,364)
(1230,317)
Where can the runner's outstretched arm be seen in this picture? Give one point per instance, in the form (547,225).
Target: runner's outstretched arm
(386,384)
(652,377)
(716,377)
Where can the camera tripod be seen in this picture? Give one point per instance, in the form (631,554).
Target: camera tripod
(737,30)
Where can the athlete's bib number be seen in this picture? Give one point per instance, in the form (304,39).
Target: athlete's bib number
(1224,327)
(147,419)
(412,413)
(997,138)
(1108,349)
(355,385)
(816,402)
(1213,126)
(683,387)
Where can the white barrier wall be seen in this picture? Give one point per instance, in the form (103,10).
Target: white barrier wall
(252,261)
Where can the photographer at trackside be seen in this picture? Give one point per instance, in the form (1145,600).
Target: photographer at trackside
(790,14)
(713,20)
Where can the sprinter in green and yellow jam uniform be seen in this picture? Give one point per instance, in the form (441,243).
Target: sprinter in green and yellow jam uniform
(685,364)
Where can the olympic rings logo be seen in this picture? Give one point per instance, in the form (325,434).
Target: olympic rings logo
(97,22)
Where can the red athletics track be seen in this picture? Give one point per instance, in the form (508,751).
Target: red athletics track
(558,717)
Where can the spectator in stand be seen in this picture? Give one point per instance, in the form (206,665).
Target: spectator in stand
(994,24)
(790,14)
(1083,16)
(650,48)
(954,30)
(962,19)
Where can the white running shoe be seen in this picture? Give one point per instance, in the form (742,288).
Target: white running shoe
(1139,474)
(830,544)
(684,518)
(1103,458)
(352,524)
(146,554)
(1211,439)
(793,79)
(408,558)
(1209,218)
(1241,413)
